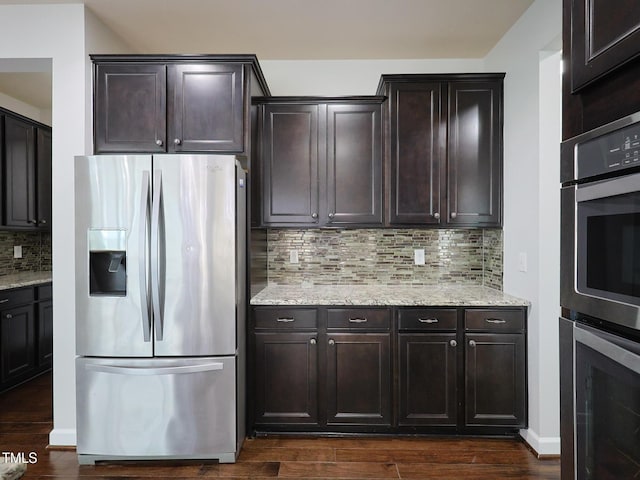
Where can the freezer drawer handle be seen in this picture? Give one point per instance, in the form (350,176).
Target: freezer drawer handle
(358,320)
(428,320)
(204,367)
(144,223)
(285,319)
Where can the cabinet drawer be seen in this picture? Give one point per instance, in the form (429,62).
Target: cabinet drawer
(360,318)
(45,292)
(286,318)
(495,320)
(428,319)
(20,296)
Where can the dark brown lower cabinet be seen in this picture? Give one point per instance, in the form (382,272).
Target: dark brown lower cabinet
(286,373)
(45,334)
(428,376)
(495,380)
(17,338)
(359,378)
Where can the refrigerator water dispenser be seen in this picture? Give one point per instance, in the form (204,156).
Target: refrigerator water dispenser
(107,263)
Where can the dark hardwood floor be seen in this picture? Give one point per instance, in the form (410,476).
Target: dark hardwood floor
(26,420)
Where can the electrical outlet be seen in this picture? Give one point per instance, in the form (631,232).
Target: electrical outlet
(418,256)
(293,256)
(17,251)
(522,262)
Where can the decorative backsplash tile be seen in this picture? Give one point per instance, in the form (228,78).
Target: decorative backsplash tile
(385,256)
(36,252)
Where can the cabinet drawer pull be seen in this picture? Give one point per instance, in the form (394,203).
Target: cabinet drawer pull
(357,320)
(495,320)
(428,320)
(4,300)
(286,319)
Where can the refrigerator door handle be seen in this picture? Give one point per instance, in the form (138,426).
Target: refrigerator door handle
(180,369)
(143,246)
(155,254)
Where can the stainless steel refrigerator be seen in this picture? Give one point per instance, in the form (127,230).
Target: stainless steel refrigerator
(160,307)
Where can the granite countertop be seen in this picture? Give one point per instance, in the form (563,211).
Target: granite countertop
(393,295)
(24,279)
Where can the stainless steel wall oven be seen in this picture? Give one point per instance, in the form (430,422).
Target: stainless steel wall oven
(600,300)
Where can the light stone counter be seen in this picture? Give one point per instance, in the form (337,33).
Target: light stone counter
(24,279)
(391,295)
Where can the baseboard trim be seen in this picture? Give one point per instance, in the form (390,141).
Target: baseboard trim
(62,437)
(543,447)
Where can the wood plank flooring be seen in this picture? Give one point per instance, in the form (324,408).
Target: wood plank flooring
(26,420)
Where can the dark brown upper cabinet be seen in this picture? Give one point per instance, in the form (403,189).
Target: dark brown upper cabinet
(321,161)
(154,104)
(27,174)
(444,154)
(604,36)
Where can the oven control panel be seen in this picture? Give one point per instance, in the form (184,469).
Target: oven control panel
(616,150)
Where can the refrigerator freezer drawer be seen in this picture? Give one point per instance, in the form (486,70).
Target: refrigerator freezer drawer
(131,409)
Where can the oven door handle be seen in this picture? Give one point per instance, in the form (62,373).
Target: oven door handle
(609,349)
(608,188)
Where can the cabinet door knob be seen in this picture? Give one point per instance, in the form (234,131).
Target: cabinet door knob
(312,341)
(314,215)
(177,141)
(159,142)
(436,216)
(332,341)
(453,343)
(43,221)
(472,343)
(32,221)
(454,214)
(331,215)
(9,315)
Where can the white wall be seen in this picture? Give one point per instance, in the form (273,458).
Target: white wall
(18,106)
(57,32)
(349,77)
(531,189)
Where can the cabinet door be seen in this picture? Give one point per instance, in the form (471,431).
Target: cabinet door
(428,372)
(45,334)
(290,165)
(286,378)
(20,170)
(130,108)
(604,35)
(17,339)
(358,379)
(416,152)
(474,183)
(43,169)
(495,381)
(206,108)
(354,164)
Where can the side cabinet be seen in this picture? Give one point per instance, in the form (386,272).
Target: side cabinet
(27,174)
(26,334)
(285,366)
(495,368)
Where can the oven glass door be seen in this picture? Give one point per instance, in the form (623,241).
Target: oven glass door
(607,407)
(608,239)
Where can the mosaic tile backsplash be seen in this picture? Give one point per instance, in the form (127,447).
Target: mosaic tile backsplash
(385,256)
(36,252)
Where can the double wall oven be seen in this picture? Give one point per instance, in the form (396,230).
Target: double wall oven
(600,300)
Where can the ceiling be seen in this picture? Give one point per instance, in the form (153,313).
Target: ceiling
(293,29)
